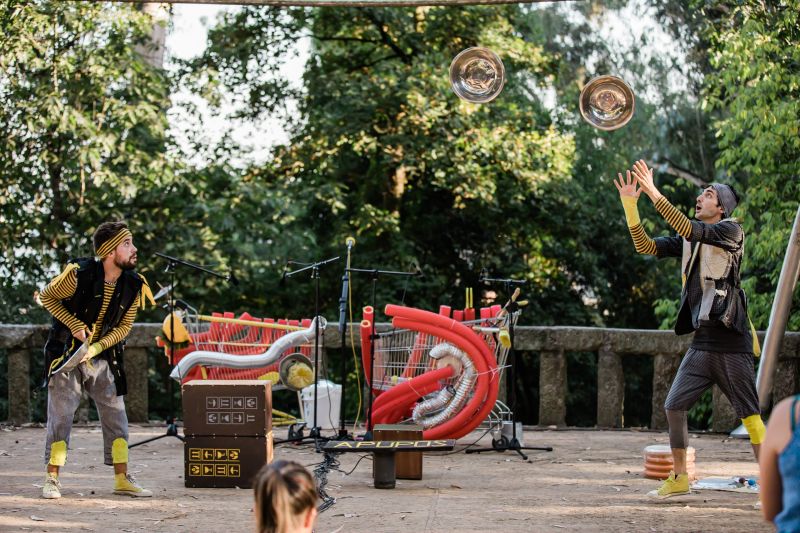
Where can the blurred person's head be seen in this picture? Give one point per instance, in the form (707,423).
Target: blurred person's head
(286,498)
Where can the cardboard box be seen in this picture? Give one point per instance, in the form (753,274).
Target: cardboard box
(225,461)
(227,407)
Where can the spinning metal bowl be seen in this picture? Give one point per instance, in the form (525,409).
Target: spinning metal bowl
(607,102)
(477,75)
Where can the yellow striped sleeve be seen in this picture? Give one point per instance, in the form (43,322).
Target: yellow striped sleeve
(121,330)
(641,241)
(674,218)
(61,288)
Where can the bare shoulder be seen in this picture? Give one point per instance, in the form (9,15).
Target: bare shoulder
(779,427)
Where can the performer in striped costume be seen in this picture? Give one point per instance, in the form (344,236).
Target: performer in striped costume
(713,306)
(93,300)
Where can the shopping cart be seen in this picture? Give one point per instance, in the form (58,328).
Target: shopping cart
(222,347)
(440,371)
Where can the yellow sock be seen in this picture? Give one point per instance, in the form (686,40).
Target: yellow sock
(119,451)
(58,453)
(755,428)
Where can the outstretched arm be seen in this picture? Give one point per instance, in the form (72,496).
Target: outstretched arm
(629,195)
(676,219)
(726,234)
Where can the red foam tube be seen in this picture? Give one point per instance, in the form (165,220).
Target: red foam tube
(444,310)
(409,392)
(418,382)
(465,420)
(366,342)
(446,323)
(416,355)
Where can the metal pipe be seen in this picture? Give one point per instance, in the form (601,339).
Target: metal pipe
(779,315)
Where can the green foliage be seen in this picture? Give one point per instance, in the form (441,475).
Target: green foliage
(755,87)
(83,133)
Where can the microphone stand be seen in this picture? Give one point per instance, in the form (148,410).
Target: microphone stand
(343,434)
(375,274)
(314,433)
(512,307)
(172,263)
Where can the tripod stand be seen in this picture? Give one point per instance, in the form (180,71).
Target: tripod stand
(172,264)
(375,273)
(314,432)
(511,307)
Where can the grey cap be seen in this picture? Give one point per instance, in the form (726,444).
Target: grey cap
(726,198)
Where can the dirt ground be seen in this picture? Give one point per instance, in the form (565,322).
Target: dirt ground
(591,481)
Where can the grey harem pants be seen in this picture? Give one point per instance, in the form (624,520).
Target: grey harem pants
(64,396)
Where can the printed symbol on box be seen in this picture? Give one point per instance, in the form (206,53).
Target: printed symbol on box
(211,403)
(224,403)
(195,454)
(251,418)
(208,470)
(225,418)
(208,454)
(237,403)
(251,402)
(233,455)
(233,471)
(237,418)
(221,470)
(220,455)
(213,418)
(194,470)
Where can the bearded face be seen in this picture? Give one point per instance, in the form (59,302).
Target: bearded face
(125,255)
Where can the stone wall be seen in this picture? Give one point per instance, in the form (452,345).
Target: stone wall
(23,342)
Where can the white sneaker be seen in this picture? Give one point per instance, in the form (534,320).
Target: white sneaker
(126,485)
(52,487)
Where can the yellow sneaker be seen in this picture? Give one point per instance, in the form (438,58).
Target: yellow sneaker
(52,487)
(672,486)
(126,485)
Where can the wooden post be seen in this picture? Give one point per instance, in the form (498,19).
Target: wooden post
(610,389)
(552,388)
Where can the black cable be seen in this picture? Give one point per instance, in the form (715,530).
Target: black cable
(356,465)
(321,475)
(469,445)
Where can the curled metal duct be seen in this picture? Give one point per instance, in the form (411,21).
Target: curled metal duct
(435,401)
(226,360)
(451,401)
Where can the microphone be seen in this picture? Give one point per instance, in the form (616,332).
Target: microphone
(349,242)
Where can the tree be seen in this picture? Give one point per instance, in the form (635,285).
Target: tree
(84,126)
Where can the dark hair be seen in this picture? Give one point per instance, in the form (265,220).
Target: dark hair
(284,490)
(107,230)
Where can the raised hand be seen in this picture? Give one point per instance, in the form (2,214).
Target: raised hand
(629,187)
(644,177)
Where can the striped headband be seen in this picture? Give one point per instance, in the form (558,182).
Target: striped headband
(109,246)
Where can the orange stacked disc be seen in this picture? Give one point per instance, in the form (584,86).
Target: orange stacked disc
(658,461)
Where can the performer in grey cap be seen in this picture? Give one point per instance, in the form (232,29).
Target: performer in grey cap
(713,306)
